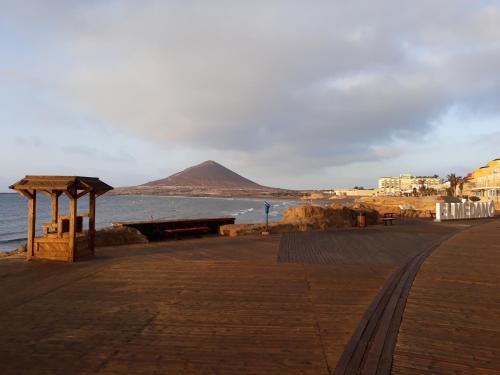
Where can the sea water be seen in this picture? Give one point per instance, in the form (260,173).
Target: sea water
(113,208)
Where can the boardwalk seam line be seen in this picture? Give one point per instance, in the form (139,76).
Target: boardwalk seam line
(316,323)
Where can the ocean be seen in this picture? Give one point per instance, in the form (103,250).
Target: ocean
(113,208)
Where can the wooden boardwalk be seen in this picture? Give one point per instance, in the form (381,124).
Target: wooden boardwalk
(368,246)
(370,350)
(203,306)
(451,324)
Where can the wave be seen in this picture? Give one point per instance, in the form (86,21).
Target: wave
(242,212)
(13,240)
(6,234)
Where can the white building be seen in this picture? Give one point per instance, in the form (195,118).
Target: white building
(355,192)
(406,184)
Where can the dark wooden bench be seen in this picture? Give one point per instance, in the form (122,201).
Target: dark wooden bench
(190,230)
(389,217)
(163,229)
(186,230)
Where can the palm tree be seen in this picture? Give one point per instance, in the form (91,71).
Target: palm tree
(452,179)
(461,181)
(422,188)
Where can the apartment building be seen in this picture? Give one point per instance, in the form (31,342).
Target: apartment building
(406,183)
(484,182)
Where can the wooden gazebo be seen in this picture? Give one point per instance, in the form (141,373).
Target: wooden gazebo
(63,238)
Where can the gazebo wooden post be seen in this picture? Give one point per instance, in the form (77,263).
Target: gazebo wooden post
(92,222)
(30,243)
(54,197)
(72,224)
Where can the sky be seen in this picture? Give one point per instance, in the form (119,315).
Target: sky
(293,94)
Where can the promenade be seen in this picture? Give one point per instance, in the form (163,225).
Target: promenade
(451,324)
(249,305)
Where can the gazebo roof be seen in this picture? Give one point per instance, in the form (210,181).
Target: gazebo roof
(62,183)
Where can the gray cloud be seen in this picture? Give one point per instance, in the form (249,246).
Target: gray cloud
(290,82)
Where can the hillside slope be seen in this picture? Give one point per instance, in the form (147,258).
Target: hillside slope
(208,174)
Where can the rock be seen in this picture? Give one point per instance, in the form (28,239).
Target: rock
(336,206)
(316,217)
(21,249)
(116,236)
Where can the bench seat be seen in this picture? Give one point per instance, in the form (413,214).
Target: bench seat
(186,230)
(388,218)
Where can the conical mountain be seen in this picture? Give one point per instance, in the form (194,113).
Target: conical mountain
(208,174)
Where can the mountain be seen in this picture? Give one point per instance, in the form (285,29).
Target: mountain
(208,179)
(208,174)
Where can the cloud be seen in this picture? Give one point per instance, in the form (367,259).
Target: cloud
(284,82)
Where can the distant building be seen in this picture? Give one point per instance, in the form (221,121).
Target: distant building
(355,192)
(484,182)
(406,183)
(329,192)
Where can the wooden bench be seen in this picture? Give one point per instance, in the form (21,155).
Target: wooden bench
(163,229)
(193,230)
(186,230)
(389,217)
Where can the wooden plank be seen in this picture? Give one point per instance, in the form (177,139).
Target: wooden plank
(451,323)
(51,240)
(69,194)
(61,183)
(224,306)
(72,228)
(31,226)
(54,198)
(91,213)
(212,305)
(81,194)
(370,350)
(55,250)
(352,246)
(25,193)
